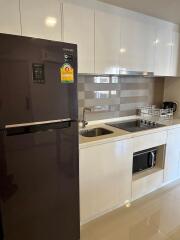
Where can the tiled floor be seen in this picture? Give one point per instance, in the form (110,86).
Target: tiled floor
(155,217)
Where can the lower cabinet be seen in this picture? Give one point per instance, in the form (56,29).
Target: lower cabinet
(105,178)
(147,184)
(172,161)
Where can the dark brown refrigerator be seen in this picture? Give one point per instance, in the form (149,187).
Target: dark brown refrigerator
(39,166)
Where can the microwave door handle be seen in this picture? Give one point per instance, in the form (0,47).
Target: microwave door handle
(153,158)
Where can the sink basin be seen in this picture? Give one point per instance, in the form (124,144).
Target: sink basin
(95,132)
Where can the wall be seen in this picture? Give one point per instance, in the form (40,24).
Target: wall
(113,96)
(172,92)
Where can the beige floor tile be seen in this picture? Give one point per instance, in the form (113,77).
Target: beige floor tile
(164,212)
(154,217)
(126,224)
(175,235)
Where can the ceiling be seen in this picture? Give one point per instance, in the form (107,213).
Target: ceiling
(165,9)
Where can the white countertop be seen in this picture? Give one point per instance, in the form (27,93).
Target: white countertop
(119,134)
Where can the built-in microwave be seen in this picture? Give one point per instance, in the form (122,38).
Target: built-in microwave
(144,160)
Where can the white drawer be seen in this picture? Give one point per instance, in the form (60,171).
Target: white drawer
(174,131)
(147,184)
(149,141)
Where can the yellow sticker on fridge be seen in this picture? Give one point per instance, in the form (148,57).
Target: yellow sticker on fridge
(67,73)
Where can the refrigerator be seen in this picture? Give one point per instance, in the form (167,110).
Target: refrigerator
(39,165)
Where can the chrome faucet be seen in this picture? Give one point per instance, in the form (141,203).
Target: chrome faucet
(84,122)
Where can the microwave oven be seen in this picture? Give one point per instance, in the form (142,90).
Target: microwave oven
(144,160)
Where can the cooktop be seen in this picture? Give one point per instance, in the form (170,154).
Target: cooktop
(135,125)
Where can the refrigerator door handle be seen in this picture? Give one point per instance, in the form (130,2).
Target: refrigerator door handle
(37,123)
(34,127)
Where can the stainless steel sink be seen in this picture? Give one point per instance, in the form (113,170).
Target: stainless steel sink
(95,132)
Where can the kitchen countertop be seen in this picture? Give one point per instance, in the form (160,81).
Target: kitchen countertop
(119,134)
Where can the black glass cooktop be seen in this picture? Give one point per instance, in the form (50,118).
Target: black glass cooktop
(135,125)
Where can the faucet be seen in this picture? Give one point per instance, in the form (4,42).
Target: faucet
(84,122)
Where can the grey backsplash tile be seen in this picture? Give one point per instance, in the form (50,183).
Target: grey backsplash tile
(134,99)
(134,86)
(117,96)
(135,93)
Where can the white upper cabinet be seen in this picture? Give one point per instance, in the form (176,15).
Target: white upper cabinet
(41,19)
(10,17)
(137,44)
(107,42)
(175,55)
(110,40)
(78,28)
(164,42)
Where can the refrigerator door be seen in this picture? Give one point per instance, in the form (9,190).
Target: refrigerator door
(39,188)
(38,80)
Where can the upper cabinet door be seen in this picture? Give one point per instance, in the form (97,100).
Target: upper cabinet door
(41,19)
(163,56)
(10,17)
(107,42)
(175,55)
(137,45)
(78,28)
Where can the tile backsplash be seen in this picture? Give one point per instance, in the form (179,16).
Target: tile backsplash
(117,96)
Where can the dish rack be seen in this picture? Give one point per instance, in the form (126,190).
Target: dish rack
(157,114)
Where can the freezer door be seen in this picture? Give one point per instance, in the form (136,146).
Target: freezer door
(39,188)
(38,80)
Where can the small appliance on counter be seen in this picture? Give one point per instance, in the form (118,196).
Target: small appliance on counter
(170,105)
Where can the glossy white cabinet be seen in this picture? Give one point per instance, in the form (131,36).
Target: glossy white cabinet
(78,28)
(10,17)
(107,42)
(174,69)
(172,159)
(109,39)
(147,184)
(137,45)
(167,51)
(41,19)
(163,42)
(105,178)
(147,141)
